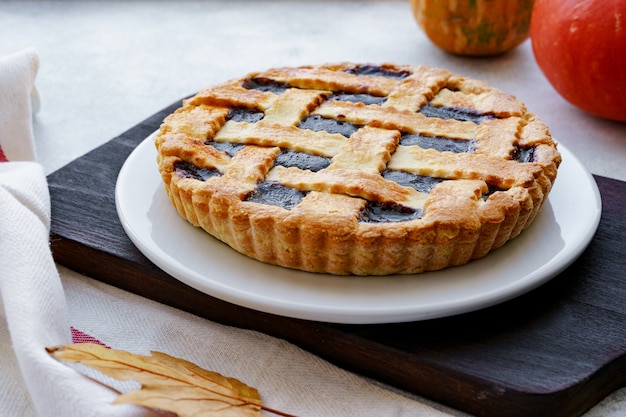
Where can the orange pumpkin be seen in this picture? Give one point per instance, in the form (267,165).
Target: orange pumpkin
(581,48)
(474,27)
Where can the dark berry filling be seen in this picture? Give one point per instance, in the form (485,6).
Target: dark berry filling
(187,170)
(492,190)
(241,114)
(229,148)
(266,85)
(521,154)
(436,142)
(461,115)
(276,194)
(358,98)
(378,71)
(318,123)
(420,183)
(385,213)
(289,158)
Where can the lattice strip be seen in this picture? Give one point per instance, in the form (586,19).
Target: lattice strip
(498,104)
(415,91)
(196,123)
(250,165)
(498,137)
(233,94)
(371,187)
(390,118)
(367,150)
(320,79)
(429,162)
(287,137)
(292,106)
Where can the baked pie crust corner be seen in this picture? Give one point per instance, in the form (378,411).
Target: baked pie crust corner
(357,168)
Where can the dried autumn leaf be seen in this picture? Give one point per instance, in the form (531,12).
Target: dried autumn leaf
(168,383)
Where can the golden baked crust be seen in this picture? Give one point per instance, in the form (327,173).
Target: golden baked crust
(427,169)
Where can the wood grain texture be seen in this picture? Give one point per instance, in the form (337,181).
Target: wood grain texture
(555,351)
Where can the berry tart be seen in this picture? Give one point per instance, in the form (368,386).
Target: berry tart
(357,168)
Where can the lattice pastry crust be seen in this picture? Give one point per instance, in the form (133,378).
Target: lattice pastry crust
(356,168)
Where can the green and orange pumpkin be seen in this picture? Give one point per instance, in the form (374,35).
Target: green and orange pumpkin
(474,27)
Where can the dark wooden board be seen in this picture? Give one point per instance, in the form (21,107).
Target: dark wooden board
(555,351)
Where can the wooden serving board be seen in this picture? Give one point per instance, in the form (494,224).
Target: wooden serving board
(555,351)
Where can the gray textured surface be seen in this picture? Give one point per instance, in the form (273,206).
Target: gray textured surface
(106,65)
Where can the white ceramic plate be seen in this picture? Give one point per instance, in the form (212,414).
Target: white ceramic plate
(557,237)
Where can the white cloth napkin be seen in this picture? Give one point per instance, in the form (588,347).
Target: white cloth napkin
(30,287)
(18,100)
